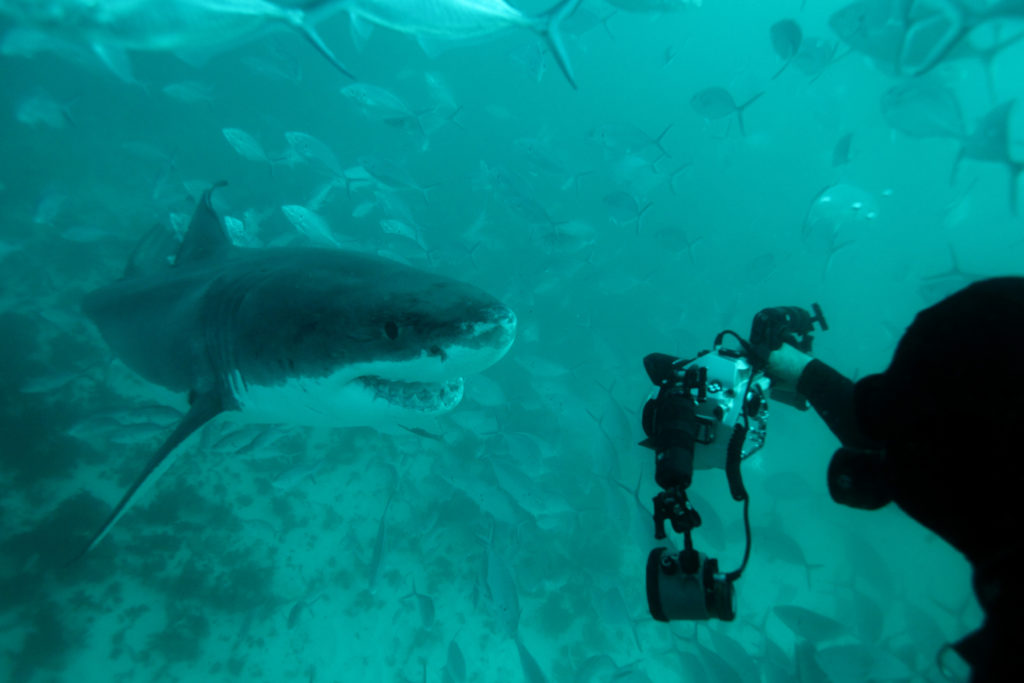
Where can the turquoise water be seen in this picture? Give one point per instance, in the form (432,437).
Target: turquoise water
(272,553)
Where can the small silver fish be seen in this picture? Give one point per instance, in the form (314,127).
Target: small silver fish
(501,587)
(393,226)
(310,149)
(300,608)
(42,110)
(245,144)
(380,546)
(189,92)
(309,224)
(425,605)
(623,208)
(378,103)
(455,664)
(786,37)
(717,103)
(291,477)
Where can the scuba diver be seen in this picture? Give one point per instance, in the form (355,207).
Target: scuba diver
(938,433)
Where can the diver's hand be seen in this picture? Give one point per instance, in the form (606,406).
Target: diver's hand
(785,365)
(775,327)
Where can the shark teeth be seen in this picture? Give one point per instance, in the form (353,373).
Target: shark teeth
(425,397)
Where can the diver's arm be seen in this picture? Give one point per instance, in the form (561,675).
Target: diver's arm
(824,387)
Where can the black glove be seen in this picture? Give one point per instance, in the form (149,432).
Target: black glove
(773,327)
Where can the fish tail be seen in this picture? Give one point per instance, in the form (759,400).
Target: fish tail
(749,102)
(962,21)
(640,215)
(453,118)
(672,176)
(298,20)
(779,72)
(661,137)
(548,25)
(426,189)
(739,111)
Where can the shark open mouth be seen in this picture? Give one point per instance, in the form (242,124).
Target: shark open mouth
(424,397)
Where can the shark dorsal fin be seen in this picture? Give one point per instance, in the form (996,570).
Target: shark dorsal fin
(206,237)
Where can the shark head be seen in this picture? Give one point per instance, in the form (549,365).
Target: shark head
(358,340)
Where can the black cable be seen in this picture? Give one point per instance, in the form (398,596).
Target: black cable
(734,575)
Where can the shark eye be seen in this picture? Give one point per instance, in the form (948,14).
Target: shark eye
(391,330)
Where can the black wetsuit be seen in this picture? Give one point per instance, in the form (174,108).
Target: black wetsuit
(831,394)
(993,650)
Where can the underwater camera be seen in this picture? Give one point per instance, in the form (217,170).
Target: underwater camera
(709,412)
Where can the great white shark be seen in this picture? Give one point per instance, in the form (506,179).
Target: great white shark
(299,335)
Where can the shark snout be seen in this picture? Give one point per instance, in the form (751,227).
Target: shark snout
(501,316)
(498,326)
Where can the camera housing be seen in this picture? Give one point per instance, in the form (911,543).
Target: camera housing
(727,391)
(711,412)
(688,586)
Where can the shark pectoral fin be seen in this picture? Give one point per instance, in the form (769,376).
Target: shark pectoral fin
(204,408)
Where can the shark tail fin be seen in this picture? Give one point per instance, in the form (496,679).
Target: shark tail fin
(548,25)
(204,408)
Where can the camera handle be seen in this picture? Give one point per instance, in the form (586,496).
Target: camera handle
(672,505)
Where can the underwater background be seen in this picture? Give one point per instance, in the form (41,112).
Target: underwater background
(621,218)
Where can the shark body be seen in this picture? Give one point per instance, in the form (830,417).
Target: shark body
(295,335)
